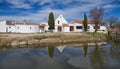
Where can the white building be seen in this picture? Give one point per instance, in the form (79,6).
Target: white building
(43,27)
(78,26)
(61,25)
(15,27)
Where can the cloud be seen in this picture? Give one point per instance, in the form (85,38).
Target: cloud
(42,2)
(1,0)
(19,4)
(72,9)
(42,15)
(111,6)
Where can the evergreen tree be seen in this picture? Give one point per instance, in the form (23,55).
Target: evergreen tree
(51,22)
(85,23)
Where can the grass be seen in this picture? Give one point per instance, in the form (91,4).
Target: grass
(54,38)
(5,41)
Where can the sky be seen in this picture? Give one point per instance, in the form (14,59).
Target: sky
(37,11)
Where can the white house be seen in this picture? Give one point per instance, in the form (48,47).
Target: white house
(15,27)
(78,26)
(26,28)
(43,27)
(3,26)
(61,25)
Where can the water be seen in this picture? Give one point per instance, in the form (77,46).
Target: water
(69,56)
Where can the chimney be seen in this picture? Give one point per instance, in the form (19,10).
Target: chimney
(24,21)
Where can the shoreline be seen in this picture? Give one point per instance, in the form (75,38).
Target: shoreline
(75,45)
(49,38)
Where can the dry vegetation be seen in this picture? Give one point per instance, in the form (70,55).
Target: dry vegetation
(48,38)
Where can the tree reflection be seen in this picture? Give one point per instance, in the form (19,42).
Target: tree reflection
(96,57)
(51,51)
(115,50)
(85,48)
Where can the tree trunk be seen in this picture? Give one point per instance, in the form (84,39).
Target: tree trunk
(95,30)
(96,27)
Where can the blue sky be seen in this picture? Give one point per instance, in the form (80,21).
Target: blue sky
(37,11)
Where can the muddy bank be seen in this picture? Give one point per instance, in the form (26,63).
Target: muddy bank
(48,38)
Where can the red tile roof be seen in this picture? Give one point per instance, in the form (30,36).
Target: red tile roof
(81,21)
(42,24)
(64,24)
(89,22)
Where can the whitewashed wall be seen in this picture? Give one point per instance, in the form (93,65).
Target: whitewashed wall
(103,28)
(3,26)
(100,29)
(35,28)
(78,30)
(41,29)
(60,20)
(44,28)
(27,28)
(11,28)
(56,28)
(66,29)
(91,28)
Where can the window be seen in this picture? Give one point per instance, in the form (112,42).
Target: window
(30,27)
(58,22)
(97,28)
(9,27)
(88,27)
(78,27)
(17,27)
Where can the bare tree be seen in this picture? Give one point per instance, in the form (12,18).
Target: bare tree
(118,26)
(112,21)
(97,14)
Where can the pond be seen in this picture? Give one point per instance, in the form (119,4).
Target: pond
(65,56)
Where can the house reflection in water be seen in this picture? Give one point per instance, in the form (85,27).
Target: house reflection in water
(60,48)
(52,49)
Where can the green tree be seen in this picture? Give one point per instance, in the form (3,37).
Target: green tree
(51,22)
(85,23)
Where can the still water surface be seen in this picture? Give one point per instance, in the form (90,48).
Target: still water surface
(69,56)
